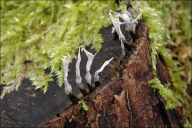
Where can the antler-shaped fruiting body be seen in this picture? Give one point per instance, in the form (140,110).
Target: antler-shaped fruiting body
(66,60)
(116,24)
(78,76)
(96,75)
(130,17)
(68,87)
(135,22)
(132,11)
(126,16)
(88,76)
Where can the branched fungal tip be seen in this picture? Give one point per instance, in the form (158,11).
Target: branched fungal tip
(96,75)
(116,24)
(78,76)
(130,18)
(136,5)
(66,60)
(68,87)
(90,57)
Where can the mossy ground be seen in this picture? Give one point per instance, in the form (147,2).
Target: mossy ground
(34,35)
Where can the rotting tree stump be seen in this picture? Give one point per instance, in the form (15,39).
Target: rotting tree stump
(125,99)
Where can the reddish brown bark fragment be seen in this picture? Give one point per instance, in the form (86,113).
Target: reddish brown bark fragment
(127,100)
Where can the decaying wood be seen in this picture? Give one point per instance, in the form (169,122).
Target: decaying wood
(126,99)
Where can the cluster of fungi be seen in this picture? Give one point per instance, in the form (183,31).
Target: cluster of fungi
(130,19)
(68,87)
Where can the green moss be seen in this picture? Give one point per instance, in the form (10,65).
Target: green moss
(70,120)
(158,16)
(173,99)
(84,106)
(39,32)
(34,35)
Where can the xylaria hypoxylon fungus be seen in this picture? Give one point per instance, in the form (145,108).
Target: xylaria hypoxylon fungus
(68,87)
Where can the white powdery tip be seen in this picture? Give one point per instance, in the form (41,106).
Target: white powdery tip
(116,28)
(78,76)
(111,11)
(111,16)
(96,75)
(66,59)
(90,57)
(139,15)
(78,58)
(136,5)
(89,54)
(79,52)
(108,61)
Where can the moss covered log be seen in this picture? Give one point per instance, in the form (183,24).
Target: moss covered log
(34,35)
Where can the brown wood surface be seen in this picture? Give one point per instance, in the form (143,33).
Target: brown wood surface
(124,98)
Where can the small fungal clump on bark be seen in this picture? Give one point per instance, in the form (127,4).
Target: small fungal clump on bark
(130,19)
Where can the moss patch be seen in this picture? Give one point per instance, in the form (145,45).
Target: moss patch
(34,35)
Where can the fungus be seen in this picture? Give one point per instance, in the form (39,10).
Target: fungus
(135,22)
(88,76)
(132,11)
(78,76)
(96,75)
(130,17)
(68,87)
(116,24)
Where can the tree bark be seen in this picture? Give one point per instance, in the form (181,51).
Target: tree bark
(125,99)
